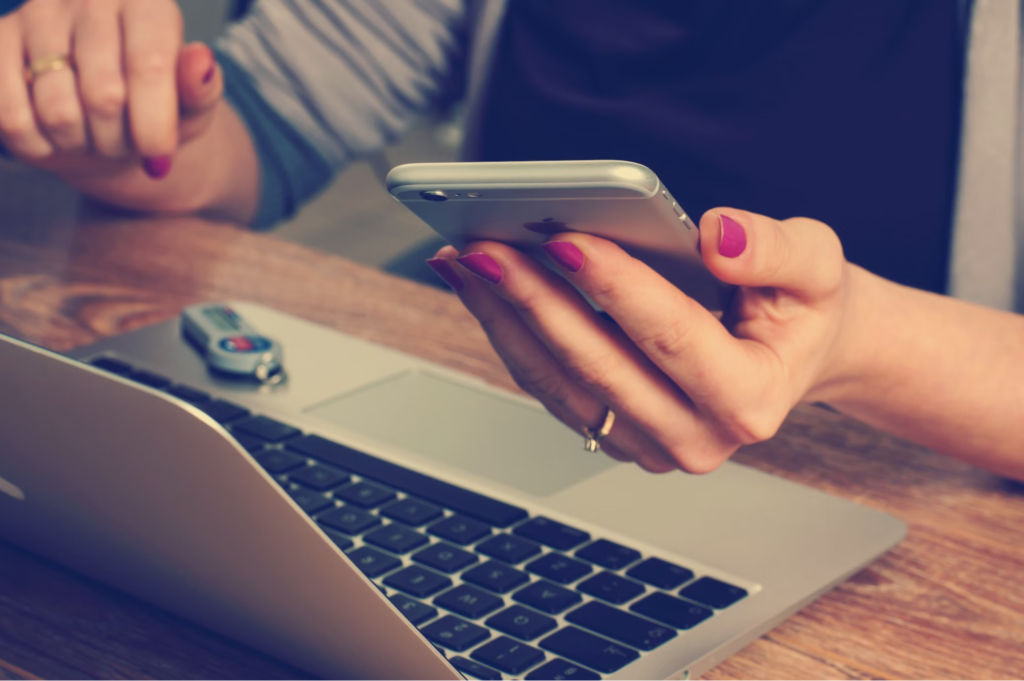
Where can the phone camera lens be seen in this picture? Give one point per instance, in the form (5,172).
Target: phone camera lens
(434,196)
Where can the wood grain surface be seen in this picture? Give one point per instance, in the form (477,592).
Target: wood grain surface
(948,602)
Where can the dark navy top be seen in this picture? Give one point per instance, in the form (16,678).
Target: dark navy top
(846,111)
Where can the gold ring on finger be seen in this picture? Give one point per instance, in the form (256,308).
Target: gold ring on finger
(593,438)
(46,65)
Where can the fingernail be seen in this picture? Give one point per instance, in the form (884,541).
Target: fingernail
(209,74)
(734,239)
(157,167)
(483,266)
(444,269)
(565,254)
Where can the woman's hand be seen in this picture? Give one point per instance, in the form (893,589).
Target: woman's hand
(127,96)
(686,388)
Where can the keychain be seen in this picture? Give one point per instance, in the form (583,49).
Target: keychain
(230,345)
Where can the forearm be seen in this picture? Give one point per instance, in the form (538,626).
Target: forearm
(935,370)
(215,174)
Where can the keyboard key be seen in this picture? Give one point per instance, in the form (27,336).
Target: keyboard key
(277,461)
(445,557)
(249,444)
(547,597)
(411,511)
(551,533)
(319,477)
(418,581)
(364,494)
(713,593)
(561,669)
(460,530)
(340,540)
(223,411)
(148,378)
(593,651)
(496,576)
(608,554)
(454,633)
(508,655)
(372,562)
(621,626)
(508,548)
(660,573)
(610,587)
(349,520)
(522,623)
(114,366)
(266,429)
(415,612)
(474,669)
(458,499)
(559,568)
(675,612)
(183,392)
(396,538)
(308,501)
(469,601)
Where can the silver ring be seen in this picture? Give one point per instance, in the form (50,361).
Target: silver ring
(593,439)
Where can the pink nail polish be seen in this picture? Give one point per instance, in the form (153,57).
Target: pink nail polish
(565,254)
(734,239)
(157,167)
(483,266)
(444,269)
(209,74)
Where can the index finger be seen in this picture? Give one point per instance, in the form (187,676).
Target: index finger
(152,39)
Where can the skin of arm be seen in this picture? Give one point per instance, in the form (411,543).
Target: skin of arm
(934,370)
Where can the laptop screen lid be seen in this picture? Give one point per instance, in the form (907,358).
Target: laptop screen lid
(148,494)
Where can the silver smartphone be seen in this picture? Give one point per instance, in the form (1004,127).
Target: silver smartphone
(521,203)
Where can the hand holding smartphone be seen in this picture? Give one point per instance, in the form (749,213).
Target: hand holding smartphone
(521,203)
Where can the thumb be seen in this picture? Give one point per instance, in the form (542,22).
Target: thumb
(801,256)
(200,81)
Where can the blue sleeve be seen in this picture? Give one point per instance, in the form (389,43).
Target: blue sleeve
(291,169)
(8,6)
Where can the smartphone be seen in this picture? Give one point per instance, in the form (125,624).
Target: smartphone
(521,203)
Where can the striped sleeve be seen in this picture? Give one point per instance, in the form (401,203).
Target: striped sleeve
(350,75)
(291,169)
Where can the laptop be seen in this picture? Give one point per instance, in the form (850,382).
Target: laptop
(379,516)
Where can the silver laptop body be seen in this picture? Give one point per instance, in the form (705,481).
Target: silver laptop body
(148,493)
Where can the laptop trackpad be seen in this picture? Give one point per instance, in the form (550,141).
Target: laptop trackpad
(478,431)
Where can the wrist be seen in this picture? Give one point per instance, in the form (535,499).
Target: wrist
(859,344)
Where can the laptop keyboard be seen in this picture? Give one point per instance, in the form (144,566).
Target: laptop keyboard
(500,592)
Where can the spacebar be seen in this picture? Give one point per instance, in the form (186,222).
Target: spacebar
(458,499)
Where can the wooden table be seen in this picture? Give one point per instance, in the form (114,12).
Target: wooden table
(947,602)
